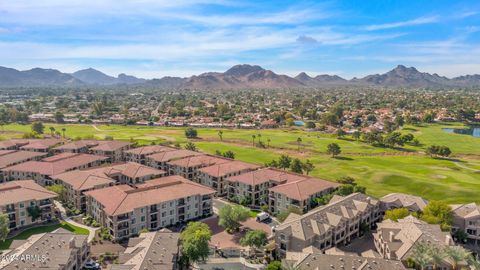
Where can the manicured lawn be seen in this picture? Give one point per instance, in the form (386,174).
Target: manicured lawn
(381,170)
(44,229)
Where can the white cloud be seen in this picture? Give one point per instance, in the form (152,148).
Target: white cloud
(417,21)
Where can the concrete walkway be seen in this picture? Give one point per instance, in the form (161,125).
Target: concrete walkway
(63,213)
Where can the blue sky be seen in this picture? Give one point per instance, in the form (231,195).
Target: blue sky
(155,38)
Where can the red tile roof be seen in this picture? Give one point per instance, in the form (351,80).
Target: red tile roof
(56,164)
(40,144)
(23,190)
(111,146)
(84,180)
(130,169)
(171,155)
(11,157)
(265,175)
(303,189)
(226,168)
(151,149)
(123,199)
(199,160)
(75,145)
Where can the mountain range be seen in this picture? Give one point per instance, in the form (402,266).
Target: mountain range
(237,77)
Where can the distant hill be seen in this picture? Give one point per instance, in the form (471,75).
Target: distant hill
(95,77)
(237,77)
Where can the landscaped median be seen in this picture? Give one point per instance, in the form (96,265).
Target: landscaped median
(42,229)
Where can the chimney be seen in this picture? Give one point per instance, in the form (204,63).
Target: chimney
(391,235)
(448,240)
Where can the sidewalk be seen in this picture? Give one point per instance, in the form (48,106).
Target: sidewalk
(63,213)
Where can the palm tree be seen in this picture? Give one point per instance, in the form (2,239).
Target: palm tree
(259,136)
(437,255)
(63,132)
(220,134)
(268,142)
(421,255)
(299,141)
(253,139)
(473,262)
(52,130)
(457,254)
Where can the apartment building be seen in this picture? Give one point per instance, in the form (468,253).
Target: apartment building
(152,250)
(57,250)
(319,261)
(401,200)
(159,160)
(42,171)
(214,176)
(115,150)
(26,203)
(140,154)
(155,204)
(466,218)
(394,240)
(14,144)
(14,157)
(257,186)
(188,167)
(338,222)
(299,194)
(80,146)
(77,182)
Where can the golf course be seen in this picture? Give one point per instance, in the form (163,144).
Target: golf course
(381,170)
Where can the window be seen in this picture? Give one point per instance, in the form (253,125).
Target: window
(142,218)
(22,205)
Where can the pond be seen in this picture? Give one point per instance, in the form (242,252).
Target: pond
(473,131)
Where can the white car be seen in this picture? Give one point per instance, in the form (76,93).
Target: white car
(91,264)
(262,216)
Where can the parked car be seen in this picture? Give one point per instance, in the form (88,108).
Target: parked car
(262,216)
(91,264)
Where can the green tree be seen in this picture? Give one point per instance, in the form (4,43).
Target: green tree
(310,125)
(229,154)
(333,149)
(274,265)
(437,256)
(60,190)
(195,239)
(340,133)
(230,216)
(456,255)
(191,133)
(299,142)
(296,166)
(38,127)
(4,226)
(253,139)
(52,131)
(356,135)
(420,255)
(308,166)
(396,214)
(438,212)
(254,239)
(34,212)
(284,161)
(220,135)
(190,146)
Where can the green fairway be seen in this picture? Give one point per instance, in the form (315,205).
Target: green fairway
(43,229)
(381,170)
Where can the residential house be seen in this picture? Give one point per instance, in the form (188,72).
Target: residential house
(395,240)
(338,222)
(151,250)
(41,145)
(25,203)
(57,250)
(466,218)
(158,203)
(80,146)
(401,200)
(130,172)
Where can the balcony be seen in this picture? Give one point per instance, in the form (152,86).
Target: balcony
(123,226)
(181,202)
(122,217)
(153,209)
(10,209)
(45,202)
(204,198)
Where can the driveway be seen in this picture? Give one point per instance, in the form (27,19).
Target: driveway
(64,217)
